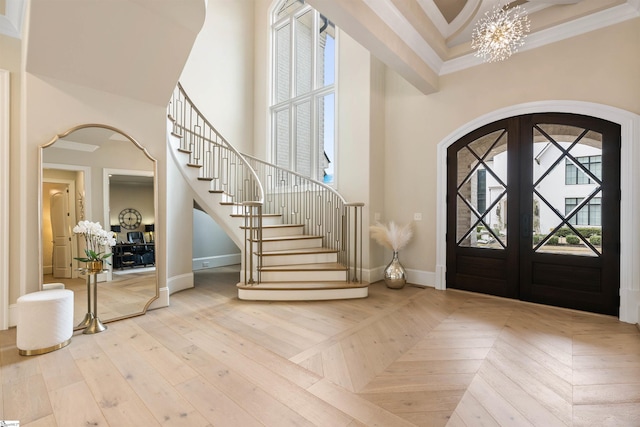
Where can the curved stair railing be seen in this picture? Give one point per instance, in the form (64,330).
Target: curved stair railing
(257,188)
(321,209)
(218,161)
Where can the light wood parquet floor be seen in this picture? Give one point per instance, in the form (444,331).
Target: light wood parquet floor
(126,294)
(410,357)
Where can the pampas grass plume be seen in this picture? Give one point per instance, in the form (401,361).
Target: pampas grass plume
(392,236)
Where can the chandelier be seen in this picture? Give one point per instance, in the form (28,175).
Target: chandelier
(500,33)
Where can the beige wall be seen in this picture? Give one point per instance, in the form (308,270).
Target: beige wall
(360,124)
(138,197)
(10,57)
(389,164)
(51,107)
(600,67)
(218,76)
(262,77)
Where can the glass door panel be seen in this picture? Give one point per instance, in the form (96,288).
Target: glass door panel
(482,192)
(567,180)
(549,233)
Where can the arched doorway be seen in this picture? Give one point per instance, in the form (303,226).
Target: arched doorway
(533,211)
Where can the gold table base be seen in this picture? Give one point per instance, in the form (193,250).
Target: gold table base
(91,322)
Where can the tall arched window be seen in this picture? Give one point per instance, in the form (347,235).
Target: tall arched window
(303,95)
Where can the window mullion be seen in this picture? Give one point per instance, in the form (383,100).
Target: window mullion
(307,106)
(292,57)
(314,98)
(293,127)
(314,137)
(292,90)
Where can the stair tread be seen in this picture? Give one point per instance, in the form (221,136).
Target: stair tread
(242,216)
(324,266)
(302,251)
(293,237)
(285,286)
(279,226)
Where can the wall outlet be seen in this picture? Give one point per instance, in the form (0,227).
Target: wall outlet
(205,263)
(417,216)
(376,216)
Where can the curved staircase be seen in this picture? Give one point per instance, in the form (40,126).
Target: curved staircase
(300,240)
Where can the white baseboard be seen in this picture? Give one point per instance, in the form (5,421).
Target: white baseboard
(180,283)
(421,278)
(13,315)
(415,277)
(630,305)
(216,261)
(162,301)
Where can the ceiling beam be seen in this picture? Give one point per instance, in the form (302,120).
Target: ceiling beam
(357,19)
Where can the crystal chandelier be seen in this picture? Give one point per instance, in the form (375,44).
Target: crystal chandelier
(500,33)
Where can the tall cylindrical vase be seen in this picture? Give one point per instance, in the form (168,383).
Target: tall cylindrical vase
(394,275)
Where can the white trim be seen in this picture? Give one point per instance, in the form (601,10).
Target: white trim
(106,172)
(180,282)
(87,182)
(72,219)
(420,277)
(86,170)
(258,294)
(106,201)
(414,277)
(216,261)
(629,204)
(5,140)
(162,300)
(391,16)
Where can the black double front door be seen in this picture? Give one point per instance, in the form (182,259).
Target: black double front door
(533,211)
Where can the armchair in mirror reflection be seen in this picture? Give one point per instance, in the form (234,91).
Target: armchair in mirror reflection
(135,252)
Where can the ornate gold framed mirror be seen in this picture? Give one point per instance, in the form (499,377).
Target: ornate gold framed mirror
(94,172)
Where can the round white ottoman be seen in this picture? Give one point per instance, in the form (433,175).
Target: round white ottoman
(45,321)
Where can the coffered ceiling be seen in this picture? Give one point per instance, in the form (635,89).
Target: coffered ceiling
(424,39)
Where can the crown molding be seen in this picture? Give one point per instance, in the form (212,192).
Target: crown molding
(596,21)
(391,16)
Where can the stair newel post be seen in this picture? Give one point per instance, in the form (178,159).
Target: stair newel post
(248,227)
(247,243)
(355,245)
(253,234)
(358,208)
(259,269)
(353,242)
(346,233)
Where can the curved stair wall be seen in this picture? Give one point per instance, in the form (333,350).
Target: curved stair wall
(300,240)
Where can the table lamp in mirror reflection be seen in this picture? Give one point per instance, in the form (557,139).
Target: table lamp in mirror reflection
(149,228)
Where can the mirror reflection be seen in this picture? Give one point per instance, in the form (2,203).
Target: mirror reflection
(97,173)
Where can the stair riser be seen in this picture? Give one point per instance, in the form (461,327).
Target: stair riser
(302,276)
(299,259)
(266,220)
(282,231)
(283,245)
(257,294)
